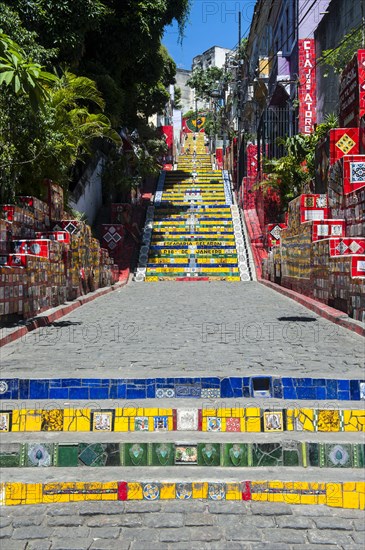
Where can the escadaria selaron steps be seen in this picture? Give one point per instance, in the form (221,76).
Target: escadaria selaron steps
(291,437)
(194,230)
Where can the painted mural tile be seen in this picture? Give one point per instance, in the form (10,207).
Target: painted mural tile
(160,423)
(338,456)
(102,421)
(233,424)
(39,454)
(214,424)
(141,424)
(273,421)
(5,422)
(135,454)
(235,454)
(216,491)
(267,454)
(98,454)
(186,454)
(187,419)
(52,421)
(208,454)
(184,491)
(163,454)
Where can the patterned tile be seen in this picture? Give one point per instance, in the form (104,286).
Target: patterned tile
(187,419)
(338,456)
(357,172)
(273,421)
(210,393)
(151,491)
(214,424)
(165,393)
(4,422)
(233,425)
(39,454)
(216,491)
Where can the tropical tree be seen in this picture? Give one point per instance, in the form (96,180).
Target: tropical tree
(205,81)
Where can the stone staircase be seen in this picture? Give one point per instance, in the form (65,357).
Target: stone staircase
(194,231)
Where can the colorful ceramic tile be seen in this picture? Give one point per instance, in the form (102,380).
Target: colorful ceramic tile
(291,453)
(163,454)
(165,393)
(102,421)
(10,455)
(186,454)
(99,454)
(214,424)
(362,390)
(273,421)
(187,420)
(235,454)
(338,456)
(233,424)
(184,491)
(208,454)
(187,390)
(133,454)
(151,491)
(160,424)
(328,421)
(67,455)
(4,422)
(39,454)
(3,387)
(52,421)
(216,491)
(210,393)
(141,424)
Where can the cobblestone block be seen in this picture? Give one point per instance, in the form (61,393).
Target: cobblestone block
(359,524)
(113,521)
(164,520)
(294,522)
(333,523)
(82,532)
(71,544)
(5,521)
(24,533)
(267,509)
(175,535)
(141,507)
(95,508)
(38,545)
(27,521)
(104,544)
(65,521)
(206,534)
(241,533)
(106,532)
(141,534)
(283,535)
(229,508)
(6,532)
(329,537)
(199,519)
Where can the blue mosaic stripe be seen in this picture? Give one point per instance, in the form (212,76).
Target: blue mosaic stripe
(149,388)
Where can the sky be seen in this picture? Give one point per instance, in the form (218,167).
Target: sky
(211,23)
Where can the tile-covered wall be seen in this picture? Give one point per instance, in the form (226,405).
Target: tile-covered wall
(340,495)
(160,388)
(281,453)
(132,419)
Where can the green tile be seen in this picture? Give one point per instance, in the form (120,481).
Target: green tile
(313,454)
(267,454)
(208,454)
(338,455)
(9,460)
(38,454)
(291,458)
(67,455)
(134,454)
(163,454)
(235,454)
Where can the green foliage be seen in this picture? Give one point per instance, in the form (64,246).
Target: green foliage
(292,172)
(205,81)
(177,97)
(339,57)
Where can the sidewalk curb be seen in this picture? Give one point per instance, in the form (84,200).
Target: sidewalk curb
(327,312)
(44,320)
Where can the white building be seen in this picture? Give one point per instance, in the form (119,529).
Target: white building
(214,57)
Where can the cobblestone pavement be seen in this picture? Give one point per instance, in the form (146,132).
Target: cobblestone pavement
(178,526)
(164,329)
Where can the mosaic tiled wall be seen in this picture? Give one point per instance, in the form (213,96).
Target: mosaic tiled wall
(287,453)
(206,388)
(340,495)
(250,419)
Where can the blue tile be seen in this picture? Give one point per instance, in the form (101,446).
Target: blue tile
(58,393)
(246,381)
(98,382)
(55,383)
(13,388)
(71,382)
(99,393)
(354,390)
(290,393)
(134,393)
(151,391)
(38,389)
(226,388)
(191,381)
(211,382)
(186,390)
(321,393)
(277,388)
(287,382)
(344,395)
(78,393)
(343,385)
(121,391)
(302,382)
(246,391)
(319,382)
(306,393)
(331,386)
(24,389)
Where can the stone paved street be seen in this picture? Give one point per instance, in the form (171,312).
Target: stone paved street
(188,329)
(180,526)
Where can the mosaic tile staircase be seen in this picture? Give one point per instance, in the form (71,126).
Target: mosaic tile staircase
(194,232)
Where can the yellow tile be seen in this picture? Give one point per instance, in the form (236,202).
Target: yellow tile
(349,486)
(360,487)
(33,421)
(135,491)
(290,420)
(204,424)
(34,493)
(83,420)
(170,423)
(275,497)
(164,412)
(167,491)
(15,493)
(253,424)
(262,497)
(351,499)
(15,421)
(301,486)
(233,491)
(276,484)
(130,411)
(209,412)
(223,424)
(200,490)
(306,418)
(361,501)
(224,413)
(334,494)
(308,499)
(243,424)
(151,424)
(328,420)
(238,412)
(148,412)
(291,498)
(121,424)
(109,496)
(322,499)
